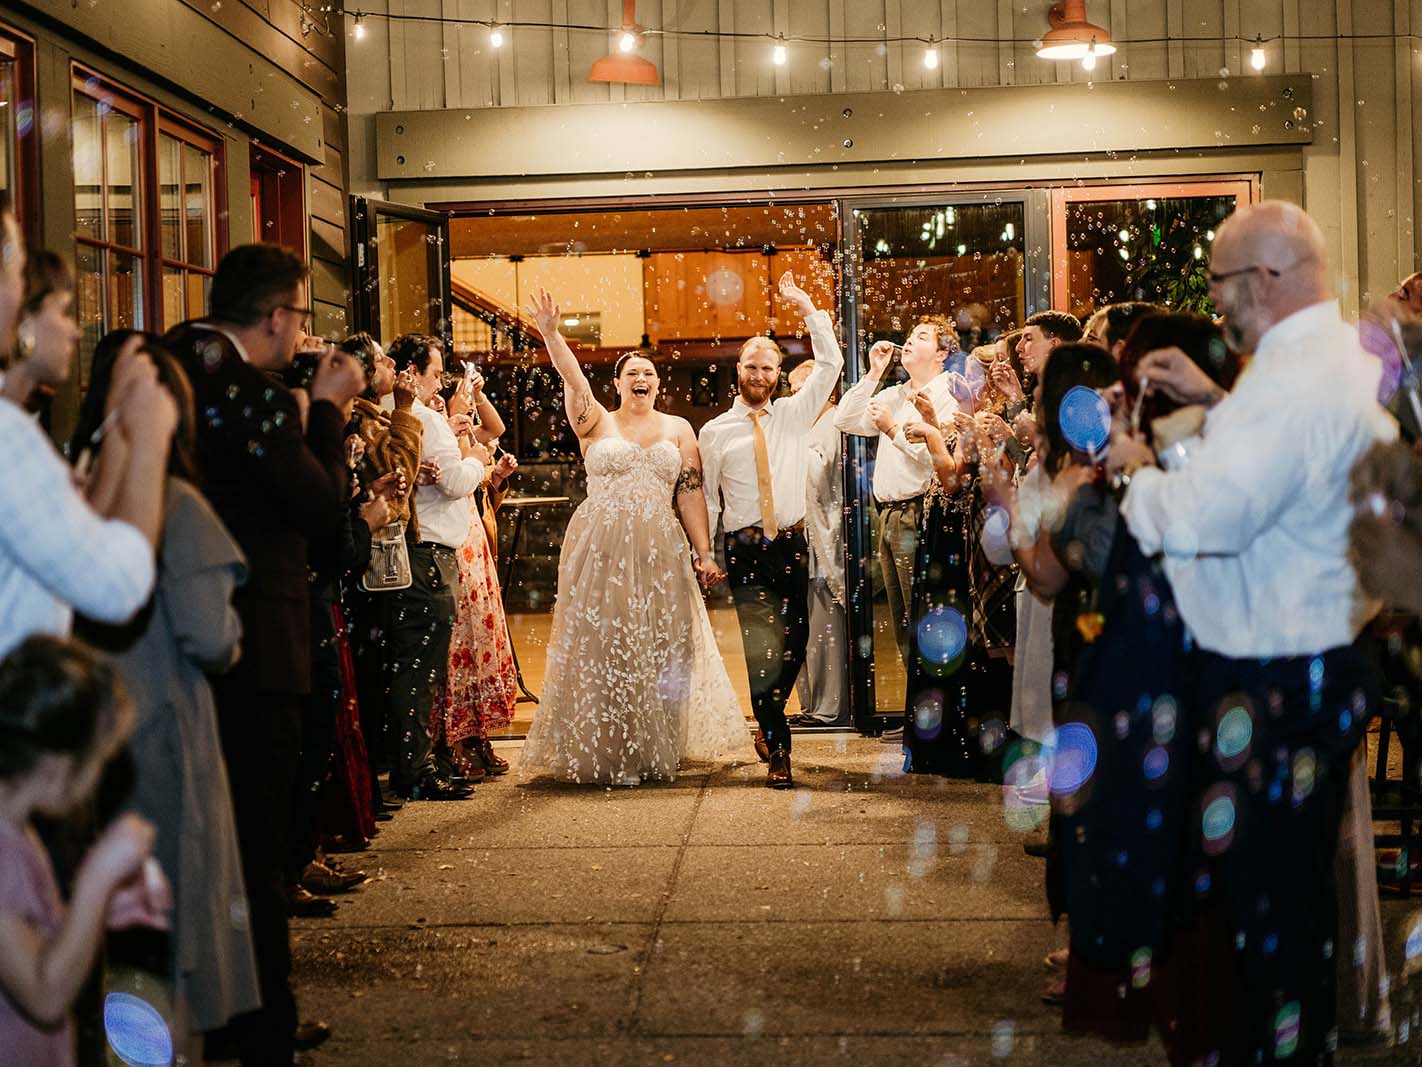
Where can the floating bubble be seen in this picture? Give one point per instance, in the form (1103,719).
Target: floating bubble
(1140,968)
(1286,1030)
(942,637)
(1217,824)
(1085,419)
(136,1031)
(1003,1038)
(1232,736)
(1305,770)
(1071,757)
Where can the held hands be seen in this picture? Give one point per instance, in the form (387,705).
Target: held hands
(707,573)
(793,294)
(544,312)
(880,356)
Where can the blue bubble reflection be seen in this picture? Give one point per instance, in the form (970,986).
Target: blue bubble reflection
(1071,757)
(942,636)
(1085,419)
(1234,733)
(136,1031)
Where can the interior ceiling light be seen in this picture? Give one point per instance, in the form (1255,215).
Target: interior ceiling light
(1071,36)
(1257,59)
(623,65)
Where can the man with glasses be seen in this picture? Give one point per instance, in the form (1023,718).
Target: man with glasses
(274,469)
(1255,536)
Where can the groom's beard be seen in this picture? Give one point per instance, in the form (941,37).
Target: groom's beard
(755,395)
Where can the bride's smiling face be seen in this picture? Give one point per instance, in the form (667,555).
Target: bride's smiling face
(637,384)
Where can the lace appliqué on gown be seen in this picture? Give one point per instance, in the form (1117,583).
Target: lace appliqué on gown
(634,682)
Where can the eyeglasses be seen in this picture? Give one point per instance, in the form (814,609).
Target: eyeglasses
(1223,276)
(304,312)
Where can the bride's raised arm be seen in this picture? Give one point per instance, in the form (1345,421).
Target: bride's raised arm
(584,412)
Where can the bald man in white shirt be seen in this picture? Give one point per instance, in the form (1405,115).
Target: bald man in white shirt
(1254,530)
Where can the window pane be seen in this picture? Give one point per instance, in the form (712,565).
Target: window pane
(197,286)
(123,145)
(174,307)
(1148,249)
(125,292)
(197,179)
(170,207)
(89,304)
(9,141)
(88,168)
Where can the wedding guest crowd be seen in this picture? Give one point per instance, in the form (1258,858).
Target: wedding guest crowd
(1132,565)
(248,508)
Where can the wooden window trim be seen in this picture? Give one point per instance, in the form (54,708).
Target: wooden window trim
(19,48)
(156,120)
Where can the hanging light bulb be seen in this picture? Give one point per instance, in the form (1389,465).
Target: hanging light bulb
(1088,61)
(1257,59)
(930,55)
(496,36)
(359,29)
(627,42)
(780,53)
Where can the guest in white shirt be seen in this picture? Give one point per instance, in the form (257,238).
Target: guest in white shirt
(423,619)
(823,685)
(756,461)
(57,555)
(903,470)
(1255,535)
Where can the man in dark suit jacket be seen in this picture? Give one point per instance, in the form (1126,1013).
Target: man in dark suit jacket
(272,465)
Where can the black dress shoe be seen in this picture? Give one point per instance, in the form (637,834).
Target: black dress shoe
(309,1035)
(382,816)
(437,788)
(303,904)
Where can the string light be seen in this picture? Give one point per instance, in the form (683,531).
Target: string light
(496,36)
(930,55)
(780,53)
(1257,59)
(359,29)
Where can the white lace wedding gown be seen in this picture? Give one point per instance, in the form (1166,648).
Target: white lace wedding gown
(634,682)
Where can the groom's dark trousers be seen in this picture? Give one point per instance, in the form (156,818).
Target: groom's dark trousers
(770,582)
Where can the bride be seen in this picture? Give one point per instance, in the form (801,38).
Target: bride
(634,683)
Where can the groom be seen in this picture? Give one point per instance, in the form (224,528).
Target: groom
(755,459)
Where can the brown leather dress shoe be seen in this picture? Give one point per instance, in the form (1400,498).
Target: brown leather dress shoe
(761,748)
(301,903)
(319,878)
(309,1035)
(493,764)
(779,776)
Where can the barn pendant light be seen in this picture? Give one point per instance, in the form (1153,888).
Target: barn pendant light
(623,65)
(1071,36)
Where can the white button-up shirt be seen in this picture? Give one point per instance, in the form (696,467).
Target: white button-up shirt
(1255,526)
(902,470)
(443,509)
(56,555)
(727,444)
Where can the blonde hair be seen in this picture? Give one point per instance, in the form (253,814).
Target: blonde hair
(759,341)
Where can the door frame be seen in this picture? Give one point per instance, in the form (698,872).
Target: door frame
(365,265)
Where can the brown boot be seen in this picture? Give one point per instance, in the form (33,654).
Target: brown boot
(493,765)
(761,748)
(779,776)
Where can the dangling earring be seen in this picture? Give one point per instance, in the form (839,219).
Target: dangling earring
(24,343)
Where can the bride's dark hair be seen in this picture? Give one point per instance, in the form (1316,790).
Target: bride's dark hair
(635,353)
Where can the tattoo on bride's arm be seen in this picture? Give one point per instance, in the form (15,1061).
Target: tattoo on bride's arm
(584,408)
(689,480)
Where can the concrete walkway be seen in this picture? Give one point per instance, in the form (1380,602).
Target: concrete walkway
(865,917)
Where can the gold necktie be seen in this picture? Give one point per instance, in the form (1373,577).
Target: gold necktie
(762,476)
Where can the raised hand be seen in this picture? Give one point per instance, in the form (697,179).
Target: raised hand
(144,899)
(504,468)
(993,428)
(1172,372)
(389,486)
(339,378)
(1004,378)
(462,425)
(793,294)
(544,312)
(404,392)
(924,406)
(882,416)
(880,356)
